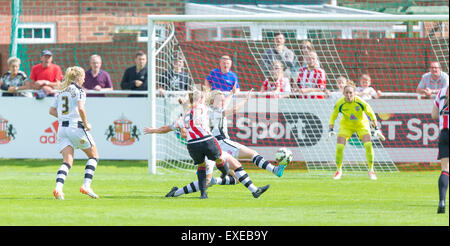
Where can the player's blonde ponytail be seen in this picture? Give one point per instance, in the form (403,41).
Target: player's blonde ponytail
(196,96)
(72,75)
(212,95)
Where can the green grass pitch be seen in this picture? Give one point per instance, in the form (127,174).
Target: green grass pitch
(130,196)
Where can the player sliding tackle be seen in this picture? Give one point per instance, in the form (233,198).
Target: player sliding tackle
(218,112)
(354,112)
(201,145)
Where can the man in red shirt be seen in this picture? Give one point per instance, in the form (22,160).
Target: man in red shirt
(311,78)
(45,76)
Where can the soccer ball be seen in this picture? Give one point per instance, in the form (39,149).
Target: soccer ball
(283,156)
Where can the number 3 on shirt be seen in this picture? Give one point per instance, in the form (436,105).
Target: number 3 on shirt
(65,109)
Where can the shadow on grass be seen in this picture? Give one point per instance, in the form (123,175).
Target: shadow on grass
(153,197)
(122,197)
(52,162)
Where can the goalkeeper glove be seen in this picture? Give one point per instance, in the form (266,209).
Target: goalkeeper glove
(331,133)
(379,134)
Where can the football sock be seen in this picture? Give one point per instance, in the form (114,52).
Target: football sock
(63,171)
(369,154)
(443,185)
(245,179)
(89,171)
(201,175)
(262,163)
(227,180)
(339,155)
(190,188)
(222,168)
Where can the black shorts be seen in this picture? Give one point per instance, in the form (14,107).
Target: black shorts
(443,144)
(207,148)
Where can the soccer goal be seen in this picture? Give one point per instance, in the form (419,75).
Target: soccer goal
(395,51)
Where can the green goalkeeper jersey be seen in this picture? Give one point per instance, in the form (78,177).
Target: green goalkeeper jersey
(354,114)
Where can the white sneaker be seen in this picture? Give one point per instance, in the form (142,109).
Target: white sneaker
(372,175)
(338,175)
(58,194)
(89,192)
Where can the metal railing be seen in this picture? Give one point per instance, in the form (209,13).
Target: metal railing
(241,93)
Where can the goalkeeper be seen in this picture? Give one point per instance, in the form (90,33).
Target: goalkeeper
(356,116)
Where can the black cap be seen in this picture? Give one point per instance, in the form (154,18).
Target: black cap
(46,52)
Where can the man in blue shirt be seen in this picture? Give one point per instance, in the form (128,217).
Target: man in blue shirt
(222,78)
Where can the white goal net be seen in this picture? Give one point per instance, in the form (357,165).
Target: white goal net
(383,49)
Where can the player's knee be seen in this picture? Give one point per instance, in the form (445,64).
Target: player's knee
(339,147)
(444,164)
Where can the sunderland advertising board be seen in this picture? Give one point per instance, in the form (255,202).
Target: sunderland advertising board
(116,128)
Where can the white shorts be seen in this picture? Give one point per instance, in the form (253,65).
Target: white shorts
(76,137)
(230,147)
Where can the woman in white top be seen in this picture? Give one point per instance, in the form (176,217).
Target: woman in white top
(68,107)
(365,91)
(341,82)
(14,80)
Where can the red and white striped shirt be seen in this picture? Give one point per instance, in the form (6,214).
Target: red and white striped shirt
(196,123)
(442,104)
(315,78)
(283,83)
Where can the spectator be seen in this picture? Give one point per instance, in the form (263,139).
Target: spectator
(432,81)
(365,91)
(277,82)
(311,78)
(135,77)
(14,80)
(281,53)
(222,78)
(306,49)
(96,78)
(45,76)
(341,82)
(175,79)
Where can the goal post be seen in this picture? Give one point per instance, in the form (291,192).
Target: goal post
(393,49)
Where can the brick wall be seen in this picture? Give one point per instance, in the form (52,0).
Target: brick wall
(86,21)
(80,22)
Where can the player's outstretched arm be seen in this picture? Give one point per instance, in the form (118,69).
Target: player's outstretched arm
(238,106)
(160,130)
(435,112)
